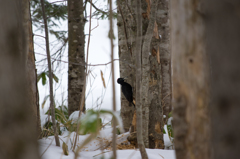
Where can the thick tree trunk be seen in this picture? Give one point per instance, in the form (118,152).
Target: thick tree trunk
(126,31)
(76,43)
(223,37)
(151,87)
(32,89)
(158,51)
(17,124)
(190,81)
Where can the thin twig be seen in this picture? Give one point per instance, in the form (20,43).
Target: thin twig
(47,148)
(97,7)
(58,1)
(104,64)
(95,26)
(101,153)
(39,35)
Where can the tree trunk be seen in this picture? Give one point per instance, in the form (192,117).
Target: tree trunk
(126,29)
(163,24)
(151,87)
(52,107)
(76,43)
(32,89)
(17,124)
(138,53)
(159,72)
(222,31)
(190,81)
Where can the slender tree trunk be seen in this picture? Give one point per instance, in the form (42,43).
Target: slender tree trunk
(76,54)
(111,33)
(17,124)
(163,24)
(190,81)
(223,37)
(146,98)
(52,107)
(126,30)
(31,68)
(138,53)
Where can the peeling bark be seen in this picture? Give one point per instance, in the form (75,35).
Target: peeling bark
(76,54)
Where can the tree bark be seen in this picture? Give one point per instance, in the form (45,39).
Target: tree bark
(159,50)
(163,23)
(190,81)
(139,103)
(126,44)
(17,124)
(222,32)
(76,54)
(32,89)
(148,23)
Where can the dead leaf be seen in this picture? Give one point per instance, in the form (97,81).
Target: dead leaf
(103,79)
(65,149)
(158,56)
(155,31)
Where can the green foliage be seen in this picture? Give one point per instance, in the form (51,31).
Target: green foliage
(43,77)
(170,130)
(91,123)
(62,118)
(103,15)
(169,127)
(65,149)
(54,12)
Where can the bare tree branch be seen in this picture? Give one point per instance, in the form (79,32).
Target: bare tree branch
(97,7)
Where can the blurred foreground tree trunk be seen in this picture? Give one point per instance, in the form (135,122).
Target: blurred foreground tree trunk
(223,38)
(32,88)
(190,81)
(17,124)
(76,43)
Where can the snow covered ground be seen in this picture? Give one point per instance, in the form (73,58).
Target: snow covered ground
(48,150)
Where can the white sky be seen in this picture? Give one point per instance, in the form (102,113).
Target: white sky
(99,53)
